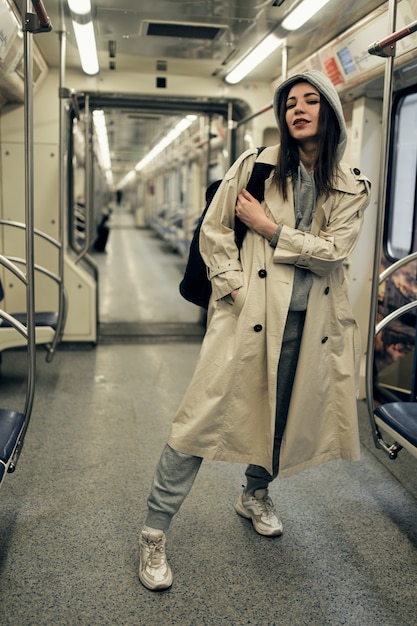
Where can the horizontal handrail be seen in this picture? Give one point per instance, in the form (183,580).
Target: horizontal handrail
(395,315)
(21,328)
(39,268)
(62,296)
(379,48)
(36,231)
(43,18)
(9,263)
(395,266)
(6,262)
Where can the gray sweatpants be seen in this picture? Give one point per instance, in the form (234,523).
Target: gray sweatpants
(176,472)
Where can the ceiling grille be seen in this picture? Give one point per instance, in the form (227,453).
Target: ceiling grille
(183,30)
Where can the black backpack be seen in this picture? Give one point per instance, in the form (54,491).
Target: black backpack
(195,285)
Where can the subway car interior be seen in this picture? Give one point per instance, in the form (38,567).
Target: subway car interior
(114,120)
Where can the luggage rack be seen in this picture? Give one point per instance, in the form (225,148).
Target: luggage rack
(398,420)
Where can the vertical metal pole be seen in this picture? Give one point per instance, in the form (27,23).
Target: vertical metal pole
(29,211)
(382,189)
(230,131)
(208,153)
(62,312)
(62,150)
(88,173)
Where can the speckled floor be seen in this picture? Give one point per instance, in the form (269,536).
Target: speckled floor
(70,515)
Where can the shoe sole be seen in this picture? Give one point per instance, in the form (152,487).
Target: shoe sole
(240,510)
(160,587)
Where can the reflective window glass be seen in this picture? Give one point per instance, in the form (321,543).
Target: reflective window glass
(402,197)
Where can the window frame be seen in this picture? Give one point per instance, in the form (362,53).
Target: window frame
(389,248)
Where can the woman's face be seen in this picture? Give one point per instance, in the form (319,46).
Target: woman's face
(302,109)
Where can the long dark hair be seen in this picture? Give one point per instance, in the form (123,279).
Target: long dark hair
(288,157)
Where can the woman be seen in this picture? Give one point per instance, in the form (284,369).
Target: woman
(275,383)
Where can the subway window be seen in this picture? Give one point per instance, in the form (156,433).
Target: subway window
(401,207)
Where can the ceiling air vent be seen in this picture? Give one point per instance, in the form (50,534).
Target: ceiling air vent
(182,30)
(161,66)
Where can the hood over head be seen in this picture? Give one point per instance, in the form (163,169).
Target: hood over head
(326,89)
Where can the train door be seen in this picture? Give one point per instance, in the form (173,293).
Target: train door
(394,365)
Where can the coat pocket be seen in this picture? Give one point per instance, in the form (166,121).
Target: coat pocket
(239,301)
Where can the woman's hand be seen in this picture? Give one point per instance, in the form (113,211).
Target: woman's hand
(234,293)
(252,213)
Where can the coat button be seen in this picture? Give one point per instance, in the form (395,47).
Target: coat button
(257,328)
(324,339)
(262,273)
(326,291)
(356,171)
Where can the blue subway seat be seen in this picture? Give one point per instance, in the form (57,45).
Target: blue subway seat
(11,424)
(42,318)
(400,417)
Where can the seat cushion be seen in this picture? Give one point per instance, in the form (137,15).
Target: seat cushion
(401,417)
(11,423)
(42,318)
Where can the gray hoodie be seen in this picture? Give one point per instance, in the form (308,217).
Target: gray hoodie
(326,88)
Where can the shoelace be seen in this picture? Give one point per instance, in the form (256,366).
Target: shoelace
(266,505)
(269,505)
(156,552)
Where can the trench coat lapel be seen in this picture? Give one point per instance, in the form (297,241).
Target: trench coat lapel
(281,210)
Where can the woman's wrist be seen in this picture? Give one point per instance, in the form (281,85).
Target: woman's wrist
(267,229)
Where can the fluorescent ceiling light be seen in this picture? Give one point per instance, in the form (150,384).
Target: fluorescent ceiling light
(302,13)
(84,35)
(86,43)
(130,177)
(80,7)
(109,178)
(254,58)
(164,143)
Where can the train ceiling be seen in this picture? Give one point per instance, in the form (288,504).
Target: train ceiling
(186,38)
(196,37)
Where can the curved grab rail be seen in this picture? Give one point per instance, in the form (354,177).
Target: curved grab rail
(62,295)
(14,323)
(36,231)
(391,450)
(26,331)
(6,262)
(395,266)
(62,308)
(39,268)
(395,315)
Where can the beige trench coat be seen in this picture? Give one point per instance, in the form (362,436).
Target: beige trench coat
(228,411)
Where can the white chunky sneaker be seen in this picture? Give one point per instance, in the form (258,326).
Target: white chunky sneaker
(154,570)
(260,509)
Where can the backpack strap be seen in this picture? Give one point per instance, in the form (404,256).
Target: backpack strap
(255,186)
